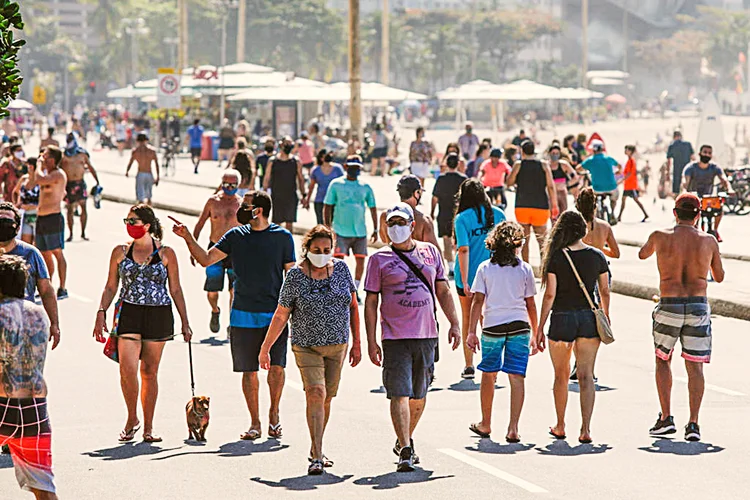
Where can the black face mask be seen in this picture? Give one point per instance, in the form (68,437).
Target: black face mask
(287,148)
(269,149)
(705,159)
(8,229)
(245,214)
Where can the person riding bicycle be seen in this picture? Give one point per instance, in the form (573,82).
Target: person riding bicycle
(699,177)
(602,168)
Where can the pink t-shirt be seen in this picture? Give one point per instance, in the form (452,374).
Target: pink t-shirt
(406,305)
(306,152)
(494,176)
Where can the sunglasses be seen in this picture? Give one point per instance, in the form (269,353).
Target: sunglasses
(131,220)
(229,185)
(397,221)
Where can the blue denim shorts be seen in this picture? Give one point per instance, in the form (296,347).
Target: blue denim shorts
(566,326)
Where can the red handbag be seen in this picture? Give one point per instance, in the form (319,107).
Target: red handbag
(110,348)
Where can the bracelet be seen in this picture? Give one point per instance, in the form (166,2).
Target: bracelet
(101,311)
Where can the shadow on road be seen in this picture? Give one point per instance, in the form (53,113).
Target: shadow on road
(572,387)
(214,342)
(396,479)
(468,385)
(681,447)
(234,449)
(561,448)
(304,483)
(127,450)
(379,390)
(486,445)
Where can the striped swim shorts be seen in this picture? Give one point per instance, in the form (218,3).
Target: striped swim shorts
(505,348)
(687,319)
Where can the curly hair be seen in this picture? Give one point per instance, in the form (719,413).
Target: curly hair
(319,231)
(503,241)
(13,276)
(568,229)
(586,204)
(471,194)
(147,216)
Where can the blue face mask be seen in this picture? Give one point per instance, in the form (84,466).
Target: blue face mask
(230,192)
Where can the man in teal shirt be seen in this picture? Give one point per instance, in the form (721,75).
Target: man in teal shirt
(345,203)
(602,168)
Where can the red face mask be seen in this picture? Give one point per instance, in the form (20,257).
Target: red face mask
(136,232)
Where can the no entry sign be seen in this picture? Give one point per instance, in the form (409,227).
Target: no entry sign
(168,89)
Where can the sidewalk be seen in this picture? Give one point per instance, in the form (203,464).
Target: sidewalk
(632,276)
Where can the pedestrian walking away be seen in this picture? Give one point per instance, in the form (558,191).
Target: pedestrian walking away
(283,177)
(49,140)
(221,210)
(408,277)
(503,293)
(345,206)
(76,163)
(536,198)
(475,217)
(321,176)
(318,295)
(260,253)
(684,256)
(149,280)
(244,163)
(50,223)
(679,154)
(261,161)
(305,150)
(144,154)
(572,321)
(226,142)
(603,170)
(410,191)
(453,149)
(444,197)
(630,184)
(379,151)
(194,140)
(24,421)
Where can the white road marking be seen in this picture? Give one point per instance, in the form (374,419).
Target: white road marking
(517,481)
(80,297)
(716,388)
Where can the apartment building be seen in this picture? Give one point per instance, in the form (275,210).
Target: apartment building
(71,17)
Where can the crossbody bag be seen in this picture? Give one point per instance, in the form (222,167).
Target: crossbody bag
(602,323)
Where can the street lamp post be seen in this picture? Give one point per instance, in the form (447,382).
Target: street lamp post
(355,78)
(225,5)
(584,43)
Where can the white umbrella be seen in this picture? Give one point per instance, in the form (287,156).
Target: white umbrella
(19,104)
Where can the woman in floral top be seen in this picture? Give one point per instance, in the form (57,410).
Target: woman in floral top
(420,156)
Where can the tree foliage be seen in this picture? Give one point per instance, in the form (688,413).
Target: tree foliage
(10,73)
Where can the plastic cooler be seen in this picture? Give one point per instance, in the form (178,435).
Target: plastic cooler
(209,145)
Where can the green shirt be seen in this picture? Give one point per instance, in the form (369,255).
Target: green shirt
(350,200)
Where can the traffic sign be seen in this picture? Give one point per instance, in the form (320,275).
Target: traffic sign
(168,89)
(39,95)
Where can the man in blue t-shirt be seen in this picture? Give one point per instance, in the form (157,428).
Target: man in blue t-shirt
(602,168)
(699,177)
(38,280)
(260,253)
(195,141)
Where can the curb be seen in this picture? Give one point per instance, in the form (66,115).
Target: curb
(719,307)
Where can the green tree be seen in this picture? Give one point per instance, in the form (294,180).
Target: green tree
(680,54)
(106,17)
(10,74)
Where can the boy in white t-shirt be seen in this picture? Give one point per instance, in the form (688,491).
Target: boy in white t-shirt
(504,291)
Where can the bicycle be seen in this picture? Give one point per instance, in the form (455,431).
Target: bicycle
(711,207)
(604,208)
(168,159)
(738,203)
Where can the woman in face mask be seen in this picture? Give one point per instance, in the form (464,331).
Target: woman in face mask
(27,200)
(319,296)
(148,274)
(322,175)
(562,173)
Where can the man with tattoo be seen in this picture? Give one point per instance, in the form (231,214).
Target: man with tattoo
(75,164)
(24,422)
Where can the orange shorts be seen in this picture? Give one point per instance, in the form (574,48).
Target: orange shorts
(533,216)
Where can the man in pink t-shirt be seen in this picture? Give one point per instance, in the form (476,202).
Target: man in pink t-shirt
(492,174)
(408,275)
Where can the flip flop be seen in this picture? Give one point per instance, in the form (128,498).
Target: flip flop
(585,441)
(275,430)
(512,440)
(556,436)
(150,438)
(475,429)
(250,435)
(128,435)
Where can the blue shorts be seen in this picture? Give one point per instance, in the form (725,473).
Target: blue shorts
(215,274)
(507,353)
(144,186)
(50,232)
(567,326)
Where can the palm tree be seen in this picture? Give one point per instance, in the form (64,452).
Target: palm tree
(106,17)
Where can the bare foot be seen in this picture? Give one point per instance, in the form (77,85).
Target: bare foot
(84,238)
(69,239)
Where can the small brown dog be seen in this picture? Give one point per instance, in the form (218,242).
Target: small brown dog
(197,417)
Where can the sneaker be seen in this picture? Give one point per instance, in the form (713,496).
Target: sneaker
(214,324)
(468,373)
(62,294)
(405,460)
(397,450)
(664,427)
(692,432)
(574,373)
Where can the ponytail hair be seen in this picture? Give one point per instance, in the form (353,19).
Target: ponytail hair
(147,216)
(586,204)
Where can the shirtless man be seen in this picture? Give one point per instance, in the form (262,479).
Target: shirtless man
(50,140)
(75,164)
(221,210)
(684,256)
(144,154)
(410,191)
(50,223)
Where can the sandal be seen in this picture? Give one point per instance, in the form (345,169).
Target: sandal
(556,436)
(128,435)
(150,438)
(316,468)
(475,429)
(250,435)
(512,440)
(327,462)
(275,430)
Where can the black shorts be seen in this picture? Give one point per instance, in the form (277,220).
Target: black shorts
(630,193)
(460,292)
(445,226)
(226,143)
(566,326)
(284,209)
(50,232)
(196,152)
(379,153)
(152,323)
(408,367)
(246,343)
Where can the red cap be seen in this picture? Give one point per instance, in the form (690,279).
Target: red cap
(688,202)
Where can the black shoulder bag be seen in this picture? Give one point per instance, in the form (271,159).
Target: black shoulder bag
(421,277)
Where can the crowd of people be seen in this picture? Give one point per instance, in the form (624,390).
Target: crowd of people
(405,282)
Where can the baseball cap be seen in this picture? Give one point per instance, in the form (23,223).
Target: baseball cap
(597,145)
(354,161)
(408,184)
(496,153)
(400,210)
(688,202)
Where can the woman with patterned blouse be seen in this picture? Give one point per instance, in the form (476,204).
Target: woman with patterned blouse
(319,296)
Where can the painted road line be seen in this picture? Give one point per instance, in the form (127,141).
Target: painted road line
(510,478)
(715,388)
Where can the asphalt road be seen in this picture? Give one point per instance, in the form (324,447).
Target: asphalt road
(88,413)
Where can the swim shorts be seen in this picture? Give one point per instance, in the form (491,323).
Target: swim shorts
(687,319)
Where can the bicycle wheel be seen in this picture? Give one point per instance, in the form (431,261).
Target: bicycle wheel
(742,206)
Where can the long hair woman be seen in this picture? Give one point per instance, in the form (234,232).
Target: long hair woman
(148,274)
(474,219)
(572,322)
(321,175)
(452,147)
(319,296)
(562,173)
(599,233)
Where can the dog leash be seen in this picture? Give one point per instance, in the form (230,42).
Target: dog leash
(192,379)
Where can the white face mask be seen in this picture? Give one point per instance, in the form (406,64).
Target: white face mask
(319,259)
(399,234)
(19,155)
